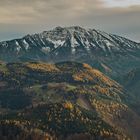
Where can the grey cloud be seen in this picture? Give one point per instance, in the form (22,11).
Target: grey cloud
(18,17)
(46,8)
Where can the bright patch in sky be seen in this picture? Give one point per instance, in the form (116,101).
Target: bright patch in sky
(121,3)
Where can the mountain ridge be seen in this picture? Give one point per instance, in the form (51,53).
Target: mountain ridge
(106,52)
(32,34)
(66,32)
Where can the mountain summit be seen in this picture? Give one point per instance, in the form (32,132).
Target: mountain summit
(99,49)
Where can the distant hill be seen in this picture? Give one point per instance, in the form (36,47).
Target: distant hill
(132,81)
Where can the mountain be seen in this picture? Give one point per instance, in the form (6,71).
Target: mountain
(64,101)
(55,85)
(112,54)
(131,81)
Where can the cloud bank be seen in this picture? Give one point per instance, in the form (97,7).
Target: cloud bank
(18,17)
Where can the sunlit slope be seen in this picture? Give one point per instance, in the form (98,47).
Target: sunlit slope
(65,99)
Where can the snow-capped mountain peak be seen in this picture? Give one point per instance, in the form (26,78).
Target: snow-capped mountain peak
(66,43)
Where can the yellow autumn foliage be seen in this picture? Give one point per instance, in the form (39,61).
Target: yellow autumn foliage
(68,105)
(42,67)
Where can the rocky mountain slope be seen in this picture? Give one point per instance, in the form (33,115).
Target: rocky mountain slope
(65,100)
(112,54)
(131,82)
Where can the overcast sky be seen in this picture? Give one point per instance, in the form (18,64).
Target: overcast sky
(21,17)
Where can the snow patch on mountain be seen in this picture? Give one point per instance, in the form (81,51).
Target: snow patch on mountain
(18,47)
(26,45)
